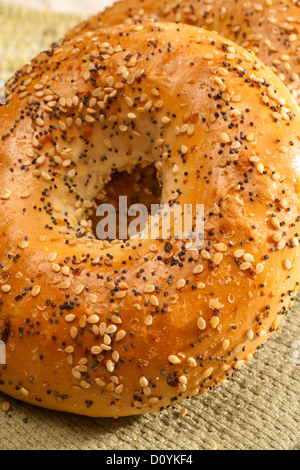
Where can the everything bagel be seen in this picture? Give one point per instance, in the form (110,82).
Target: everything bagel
(270,28)
(122,328)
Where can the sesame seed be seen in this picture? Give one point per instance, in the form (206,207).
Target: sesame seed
(6,406)
(200,285)
(281,244)
(120,335)
(148,320)
(205,254)
(55,267)
(183,413)
(260,168)
(287,265)
(201,323)
(225,345)
(93,298)
(64,285)
(259,268)
(96,350)
(248,257)
(6,288)
(275,222)
(52,257)
(250,335)
(207,373)
(93,319)
(245,266)
(180,284)
(198,269)
(192,362)
(69,318)
(225,139)
(35,291)
(220,247)
(143,382)
(110,366)
(154,301)
(73,332)
(214,322)
(239,364)
(238,253)
(25,392)
(149,289)
(174,359)
(79,289)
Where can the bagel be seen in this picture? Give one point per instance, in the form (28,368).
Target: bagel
(270,28)
(119,328)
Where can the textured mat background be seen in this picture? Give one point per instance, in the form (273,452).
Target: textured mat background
(25,32)
(258,409)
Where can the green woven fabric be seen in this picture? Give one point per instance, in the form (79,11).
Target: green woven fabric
(24,33)
(258,409)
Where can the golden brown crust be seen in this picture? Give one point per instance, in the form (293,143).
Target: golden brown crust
(132,327)
(270,28)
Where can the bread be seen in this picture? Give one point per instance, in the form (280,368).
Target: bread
(122,328)
(270,28)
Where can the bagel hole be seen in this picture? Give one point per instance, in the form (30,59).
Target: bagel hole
(141,186)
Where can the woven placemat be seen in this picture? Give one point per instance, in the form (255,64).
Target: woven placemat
(258,409)
(25,32)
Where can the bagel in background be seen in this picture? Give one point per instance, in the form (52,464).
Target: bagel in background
(270,28)
(122,328)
